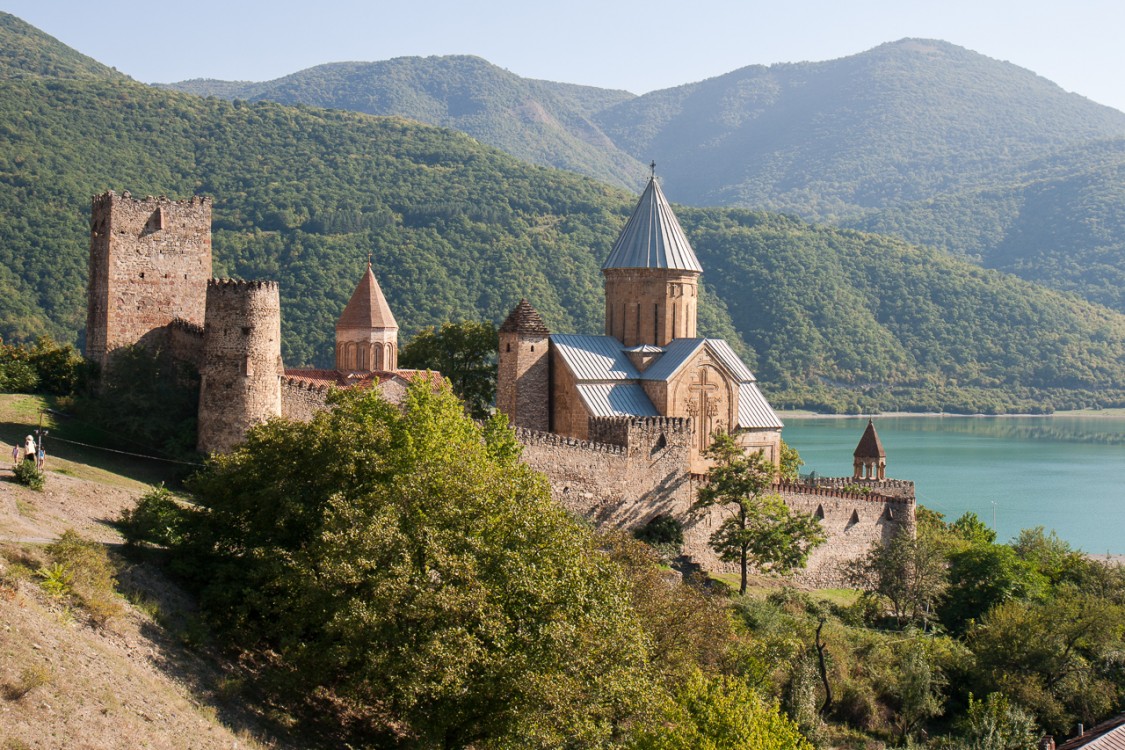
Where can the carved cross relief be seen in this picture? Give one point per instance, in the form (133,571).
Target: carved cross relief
(705,405)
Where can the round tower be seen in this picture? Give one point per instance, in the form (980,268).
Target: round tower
(240,376)
(651,276)
(870,458)
(523,387)
(366,333)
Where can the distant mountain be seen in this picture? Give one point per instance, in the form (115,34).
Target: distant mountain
(25,52)
(538,121)
(904,121)
(829,318)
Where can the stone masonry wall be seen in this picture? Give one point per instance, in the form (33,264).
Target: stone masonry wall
(185,342)
(240,376)
(625,484)
(150,260)
(300,401)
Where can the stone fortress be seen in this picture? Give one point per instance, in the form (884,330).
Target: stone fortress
(150,284)
(618,423)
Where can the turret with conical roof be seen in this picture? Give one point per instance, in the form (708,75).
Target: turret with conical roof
(366,333)
(870,458)
(523,377)
(651,276)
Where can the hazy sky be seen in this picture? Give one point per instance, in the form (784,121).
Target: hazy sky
(638,46)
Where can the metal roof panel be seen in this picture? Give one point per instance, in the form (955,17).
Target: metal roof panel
(596,358)
(754,412)
(653,237)
(617,400)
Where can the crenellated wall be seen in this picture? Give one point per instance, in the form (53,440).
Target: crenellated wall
(301,400)
(185,342)
(635,469)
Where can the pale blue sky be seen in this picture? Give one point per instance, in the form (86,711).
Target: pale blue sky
(638,46)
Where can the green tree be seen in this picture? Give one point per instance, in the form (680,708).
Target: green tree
(762,532)
(721,713)
(408,563)
(1059,659)
(791,463)
(982,576)
(465,354)
(994,723)
(908,572)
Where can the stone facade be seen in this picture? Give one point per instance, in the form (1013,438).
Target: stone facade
(523,383)
(149,264)
(240,373)
(650,306)
(633,470)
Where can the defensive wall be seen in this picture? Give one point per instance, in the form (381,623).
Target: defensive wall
(634,469)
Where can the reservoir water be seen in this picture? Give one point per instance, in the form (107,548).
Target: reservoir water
(1060,472)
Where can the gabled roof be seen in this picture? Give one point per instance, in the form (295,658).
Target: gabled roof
(524,319)
(368,307)
(653,237)
(1109,735)
(869,445)
(754,412)
(676,353)
(594,358)
(617,400)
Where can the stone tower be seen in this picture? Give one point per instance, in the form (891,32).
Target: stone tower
(150,261)
(523,378)
(651,276)
(870,458)
(366,333)
(240,376)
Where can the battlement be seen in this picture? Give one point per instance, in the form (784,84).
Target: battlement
(302,384)
(106,199)
(839,493)
(890,488)
(538,437)
(239,286)
(186,326)
(637,432)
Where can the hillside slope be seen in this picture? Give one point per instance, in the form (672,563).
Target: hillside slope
(26,52)
(537,121)
(458,230)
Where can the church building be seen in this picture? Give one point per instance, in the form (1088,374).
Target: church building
(650,362)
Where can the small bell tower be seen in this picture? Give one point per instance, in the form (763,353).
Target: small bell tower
(870,458)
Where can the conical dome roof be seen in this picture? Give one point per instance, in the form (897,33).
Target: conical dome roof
(368,307)
(653,237)
(869,445)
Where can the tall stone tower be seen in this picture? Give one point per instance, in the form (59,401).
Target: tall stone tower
(870,458)
(523,378)
(366,333)
(651,276)
(240,383)
(150,261)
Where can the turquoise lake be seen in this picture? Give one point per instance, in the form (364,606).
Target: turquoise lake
(1062,473)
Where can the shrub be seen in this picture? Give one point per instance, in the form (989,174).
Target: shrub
(155,519)
(29,679)
(27,474)
(91,574)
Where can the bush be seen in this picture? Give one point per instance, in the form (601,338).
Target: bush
(87,574)
(155,519)
(27,474)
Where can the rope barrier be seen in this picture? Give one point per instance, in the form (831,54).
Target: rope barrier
(124,453)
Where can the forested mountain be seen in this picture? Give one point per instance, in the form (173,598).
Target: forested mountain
(25,52)
(918,138)
(538,121)
(826,316)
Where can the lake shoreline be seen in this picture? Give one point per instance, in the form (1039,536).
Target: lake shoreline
(1092,413)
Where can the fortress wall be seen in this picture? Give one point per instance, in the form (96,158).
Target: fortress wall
(149,264)
(626,485)
(185,342)
(300,401)
(852,522)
